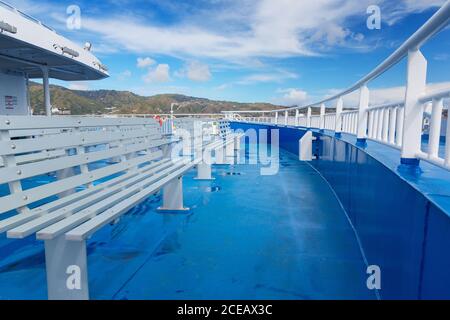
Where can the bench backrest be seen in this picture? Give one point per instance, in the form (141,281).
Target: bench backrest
(31,147)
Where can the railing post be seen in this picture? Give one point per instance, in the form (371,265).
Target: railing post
(413,113)
(362,114)
(322,117)
(286,117)
(297,114)
(338,122)
(276,117)
(308,118)
(392,124)
(435,128)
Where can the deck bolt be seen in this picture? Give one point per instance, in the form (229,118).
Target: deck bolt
(19,172)
(25,198)
(13,146)
(8,122)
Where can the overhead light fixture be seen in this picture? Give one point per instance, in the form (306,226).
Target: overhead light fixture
(70,52)
(88,46)
(7,27)
(100,66)
(66,50)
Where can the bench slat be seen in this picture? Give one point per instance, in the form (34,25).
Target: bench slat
(27,197)
(56,122)
(88,228)
(87,204)
(84,215)
(38,168)
(73,201)
(71,139)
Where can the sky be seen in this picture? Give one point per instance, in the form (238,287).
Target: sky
(287,52)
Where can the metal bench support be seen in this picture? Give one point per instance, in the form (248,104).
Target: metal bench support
(66,266)
(220,155)
(229,147)
(204,171)
(237,142)
(173,196)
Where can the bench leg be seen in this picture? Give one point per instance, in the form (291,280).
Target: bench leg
(229,148)
(66,267)
(204,171)
(220,156)
(173,196)
(237,143)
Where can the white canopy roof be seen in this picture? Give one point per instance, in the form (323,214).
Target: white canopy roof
(27,45)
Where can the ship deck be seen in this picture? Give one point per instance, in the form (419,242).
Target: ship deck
(247,236)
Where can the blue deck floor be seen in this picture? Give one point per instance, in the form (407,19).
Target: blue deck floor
(247,237)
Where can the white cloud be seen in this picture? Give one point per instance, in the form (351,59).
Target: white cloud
(145,62)
(80,86)
(159,74)
(223,87)
(273,77)
(265,28)
(195,71)
(442,57)
(292,96)
(238,30)
(394,11)
(124,75)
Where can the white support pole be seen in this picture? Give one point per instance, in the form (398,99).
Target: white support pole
(322,116)
(173,196)
(435,127)
(308,118)
(219,155)
(385,132)
(276,117)
(399,126)
(362,113)
(229,147)
(297,115)
(286,118)
(371,122)
(339,108)
(66,268)
(305,147)
(46,85)
(27,79)
(237,142)
(380,124)
(447,144)
(392,124)
(413,112)
(204,171)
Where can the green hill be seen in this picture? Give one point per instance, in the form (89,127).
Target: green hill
(124,102)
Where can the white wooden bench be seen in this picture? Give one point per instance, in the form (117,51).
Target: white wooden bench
(132,162)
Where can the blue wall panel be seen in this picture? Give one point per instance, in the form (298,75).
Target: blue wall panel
(400,230)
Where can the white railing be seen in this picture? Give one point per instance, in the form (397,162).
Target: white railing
(385,124)
(399,124)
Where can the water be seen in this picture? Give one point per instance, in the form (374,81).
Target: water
(246,236)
